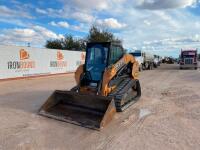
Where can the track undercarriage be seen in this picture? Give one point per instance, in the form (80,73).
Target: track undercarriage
(126,94)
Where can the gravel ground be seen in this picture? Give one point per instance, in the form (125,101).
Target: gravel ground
(166,117)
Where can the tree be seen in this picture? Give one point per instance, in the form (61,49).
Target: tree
(71,43)
(54,44)
(68,43)
(101,35)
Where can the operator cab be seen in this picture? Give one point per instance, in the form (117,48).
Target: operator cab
(99,55)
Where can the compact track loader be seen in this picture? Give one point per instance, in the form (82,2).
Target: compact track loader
(106,83)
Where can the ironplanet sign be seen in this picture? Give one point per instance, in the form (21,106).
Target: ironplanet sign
(59,63)
(20,61)
(23,63)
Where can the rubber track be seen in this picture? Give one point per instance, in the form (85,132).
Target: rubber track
(121,90)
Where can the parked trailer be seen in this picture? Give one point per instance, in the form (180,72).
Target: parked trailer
(188,59)
(145,59)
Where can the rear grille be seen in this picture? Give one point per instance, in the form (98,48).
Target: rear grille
(188,61)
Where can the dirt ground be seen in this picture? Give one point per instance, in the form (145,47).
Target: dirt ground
(166,117)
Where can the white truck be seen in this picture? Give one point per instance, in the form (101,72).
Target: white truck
(156,61)
(145,59)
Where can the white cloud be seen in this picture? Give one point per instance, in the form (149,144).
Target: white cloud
(149,29)
(166,18)
(111,23)
(13,21)
(46,33)
(6,12)
(87,5)
(83,17)
(160,25)
(148,23)
(176,42)
(163,4)
(36,35)
(67,13)
(24,32)
(62,24)
(41,11)
(80,28)
(52,23)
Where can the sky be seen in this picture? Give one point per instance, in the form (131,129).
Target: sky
(160,26)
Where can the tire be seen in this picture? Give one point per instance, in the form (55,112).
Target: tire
(195,68)
(146,66)
(143,67)
(138,88)
(140,68)
(151,67)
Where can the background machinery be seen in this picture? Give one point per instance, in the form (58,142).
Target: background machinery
(145,59)
(106,83)
(188,59)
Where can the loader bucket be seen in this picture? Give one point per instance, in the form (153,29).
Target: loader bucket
(89,111)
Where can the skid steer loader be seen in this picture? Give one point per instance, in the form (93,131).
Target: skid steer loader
(106,83)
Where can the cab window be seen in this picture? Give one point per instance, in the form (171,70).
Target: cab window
(116,54)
